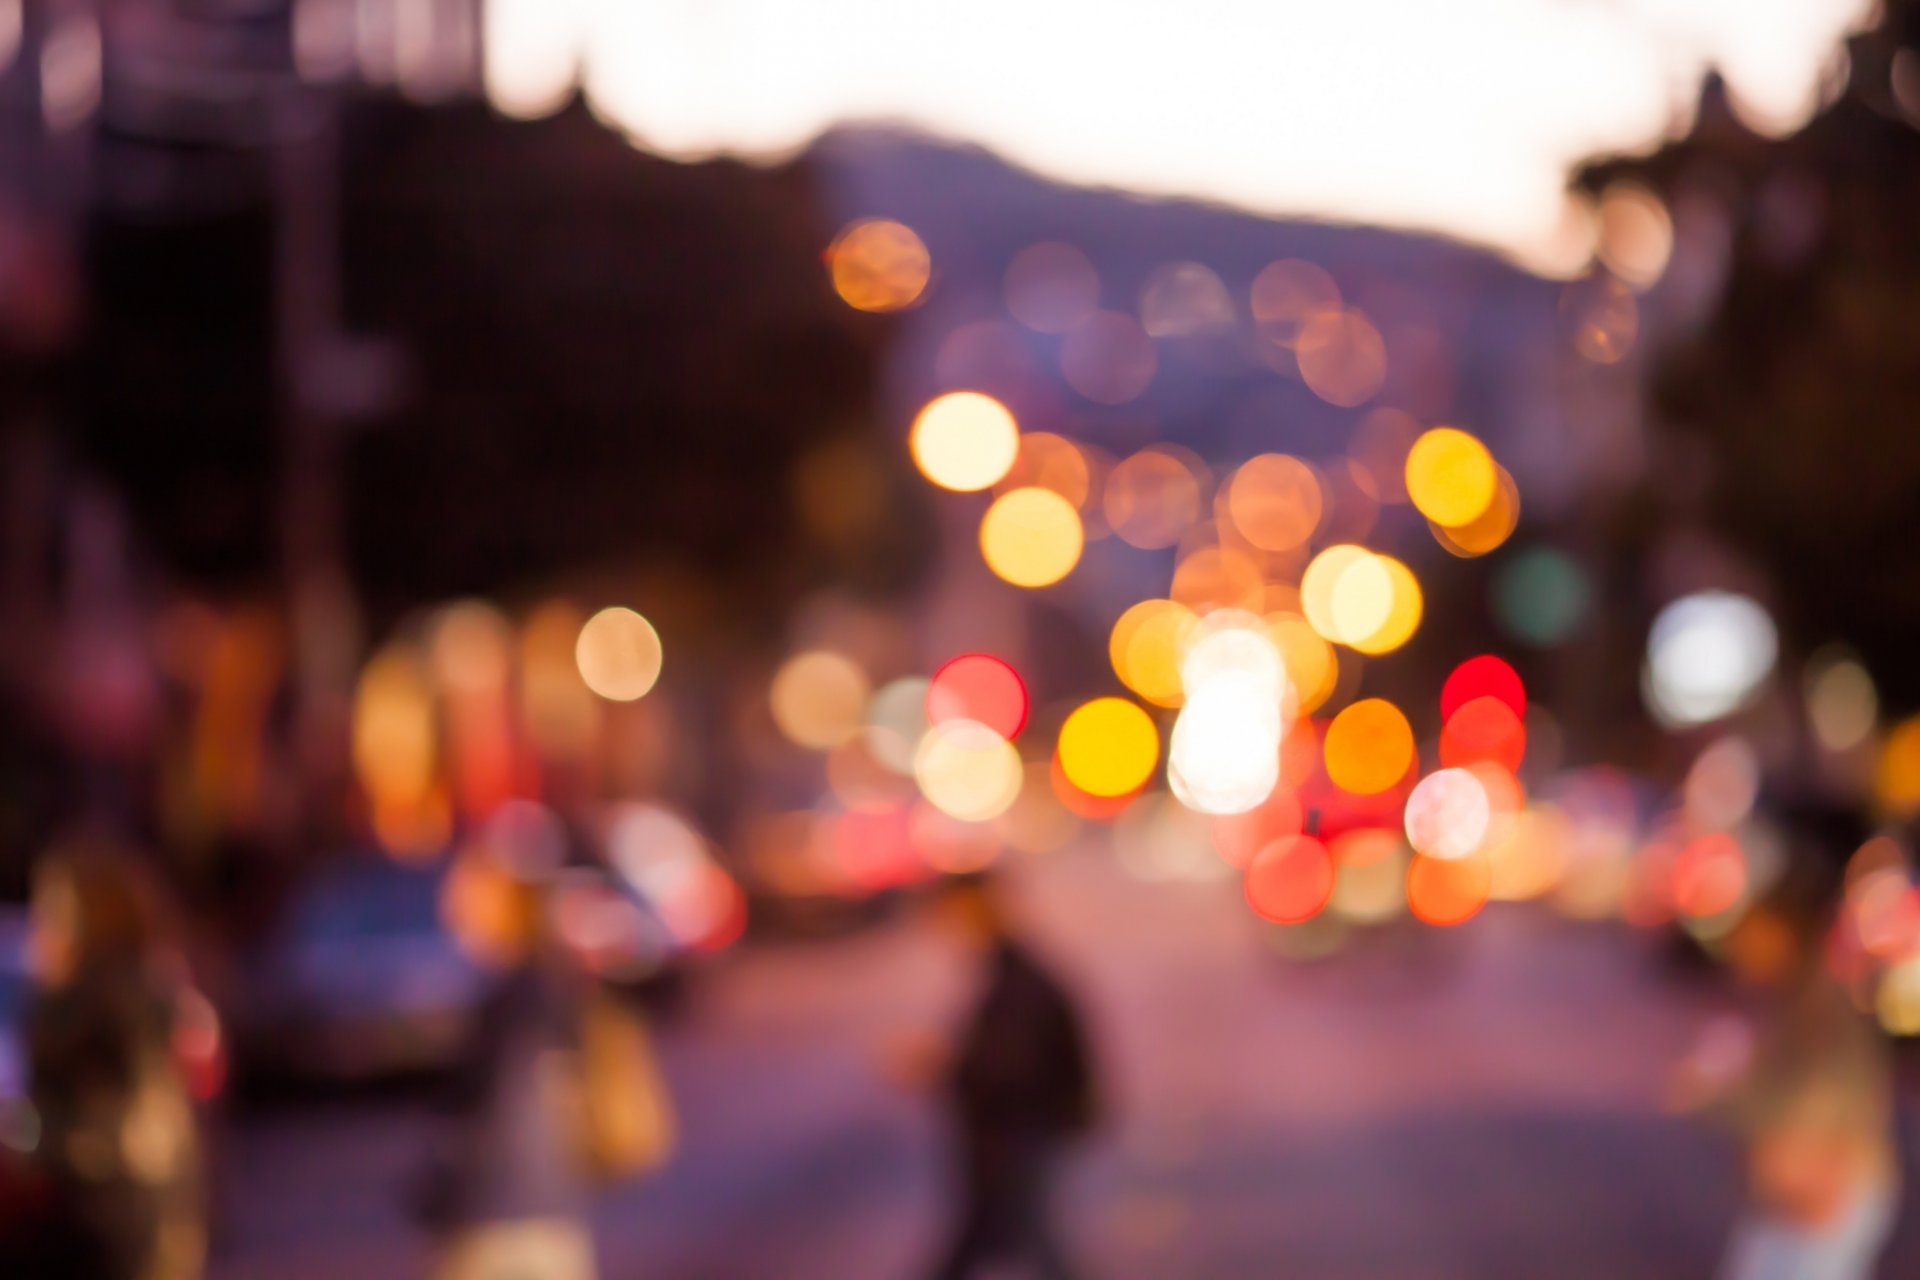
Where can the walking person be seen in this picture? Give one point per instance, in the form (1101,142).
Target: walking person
(119,1141)
(1018,1087)
(560,1093)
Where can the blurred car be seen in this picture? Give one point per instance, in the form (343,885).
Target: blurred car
(361,980)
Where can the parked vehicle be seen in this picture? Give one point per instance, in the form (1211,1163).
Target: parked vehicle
(360,980)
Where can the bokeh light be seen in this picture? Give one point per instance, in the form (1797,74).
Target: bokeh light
(477,906)
(1897,1001)
(1370,875)
(964,441)
(1636,234)
(1356,602)
(1362,599)
(1147,646)
(396,752)
(1532,861)
(618,654)
(1287,294)
(982,688)
(1342,358)
(562,716)
(1320,582)
(1371,603)
(1224,755)
(1213,576)
(819,698)
(1230,643)
(1108,747)
(667,862)
(1313,668)
(1897,779)
(1843,707)
(1542,595)
(967,771)
(1485,676)
(1483,730)
(1448,891)
(879,265)
(1369,747)
(1709,875)
(471,650)
(1049,461)
(1707,656)
(1451,478)
(1448,815)
(1491,529)
(1152,498)
(1184,300)
(1031,537)
(1052,287)
(1274,501)
(1237,837)
(1722,786)
(1084,804)
(897,715)
(1290,880)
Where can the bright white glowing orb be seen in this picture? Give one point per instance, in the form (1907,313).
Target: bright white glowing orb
(1448,815)
(1707,657)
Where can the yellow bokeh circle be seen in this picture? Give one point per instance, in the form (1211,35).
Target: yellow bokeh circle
(1362,599)
(1404,611)
(1031,537)
(1450,476)
(1147,646)
(1319,584)
(1108,747)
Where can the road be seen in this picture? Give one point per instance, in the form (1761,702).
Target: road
(1476,1103)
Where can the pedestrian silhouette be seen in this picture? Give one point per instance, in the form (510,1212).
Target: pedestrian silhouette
(1019,1087)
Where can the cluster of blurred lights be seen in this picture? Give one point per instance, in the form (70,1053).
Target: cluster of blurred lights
(1224,754)
(927,774)
(461,723)
(1242,679)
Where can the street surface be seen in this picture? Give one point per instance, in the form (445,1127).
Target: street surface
(1479,1104)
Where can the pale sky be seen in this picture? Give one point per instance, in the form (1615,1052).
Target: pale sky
(1459,116)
